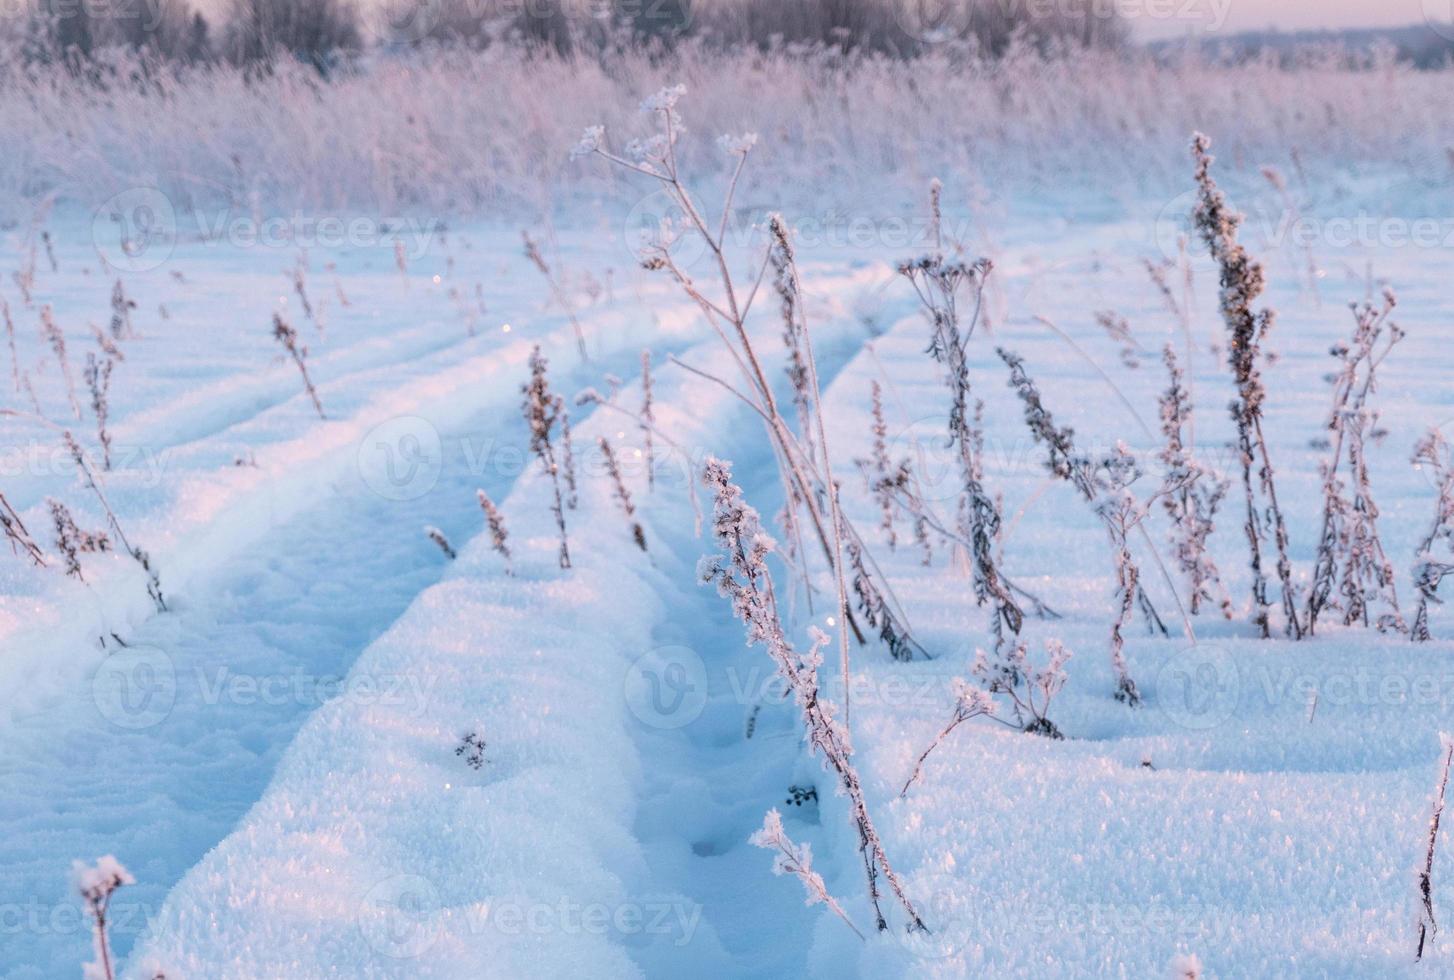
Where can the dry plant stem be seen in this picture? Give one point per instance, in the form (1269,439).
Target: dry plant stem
(542,411)
(1192,494)
(1242,282)
(688,464)
(57,339)
(532,252)
(742,575)
(1433,454)
(623,496)
(288,337)
(1066,464)
(797,464)
(88,472)
(969,703)
(1428,927)
(1349,535)
(937,284)
(647,421)
(797,468)
(796,860)
(785,250)
(98,381)
(499,537)
(10,339)
(16,533)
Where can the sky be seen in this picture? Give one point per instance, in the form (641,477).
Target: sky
(1172,18)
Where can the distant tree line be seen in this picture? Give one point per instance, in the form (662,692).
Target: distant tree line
(325,33)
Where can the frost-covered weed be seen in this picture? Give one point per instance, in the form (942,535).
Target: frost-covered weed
(57,340)
(884,479)
(532,252)
(300,289)
(1428,926)
(1350,553)
(496,522)
(1433,455)
(1105,485)
(741,575)
(797,860)
(96,884)
(121,307)
(21,543)
(88,473)
(969,702)
(1028,689)
(1118,328)
(567,454)
(648,420)
(542,409)
(1192,494)
(938,283)
(623,496)
(288,337)
(98,382)
(10,340)
(1242,282)
(71,541)
(803,460)
(440,540)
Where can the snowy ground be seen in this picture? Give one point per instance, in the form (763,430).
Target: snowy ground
(274,757)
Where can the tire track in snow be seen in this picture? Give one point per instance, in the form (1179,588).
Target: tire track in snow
(220,686)
(707,785)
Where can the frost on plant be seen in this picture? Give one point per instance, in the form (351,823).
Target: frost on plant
(969,702)
(57,340)
(741,575)
(1192,494)
(542,409)
(623,496)
(1350,552)
(19,539)
(1028,689)
(1105,484)
(96,884)
(121,307)
(794,859)
(1242,282)
(1433,455)
(499,538)
(71,541)
(288,337)
(1428,926)
(938,284)
(440,541)
(98,381)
